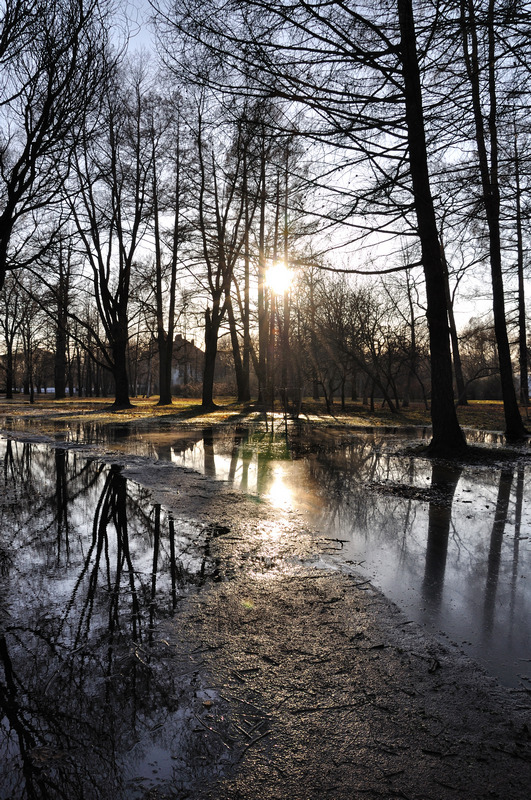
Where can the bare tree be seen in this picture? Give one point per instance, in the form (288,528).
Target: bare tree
(53,68)
(111,208)
(168,152)
(482,58)
(357,69)
(223,221)
(10,322)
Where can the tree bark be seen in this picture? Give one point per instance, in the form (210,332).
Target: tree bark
(165,358)
(522,332)
(212,323)
(242,379)
(514,427)
(458,367)
(60,361)
(9,372)
(262,301)
(448,438)
(119,367)
(60,339)
(246,316)
(165,338)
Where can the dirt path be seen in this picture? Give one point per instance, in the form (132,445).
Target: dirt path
(324,690)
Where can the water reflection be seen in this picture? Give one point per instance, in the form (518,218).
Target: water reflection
(88,566)
(450,545)
(494,560)
(253,462)
(444,480)
(86,688)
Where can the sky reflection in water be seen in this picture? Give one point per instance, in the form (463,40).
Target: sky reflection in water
(451,546)
(88,566)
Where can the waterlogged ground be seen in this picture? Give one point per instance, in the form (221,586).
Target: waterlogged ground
(195,611)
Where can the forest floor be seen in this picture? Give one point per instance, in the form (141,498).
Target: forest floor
(480,415)
(310,683)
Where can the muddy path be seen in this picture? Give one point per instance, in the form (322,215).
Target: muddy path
(295,680)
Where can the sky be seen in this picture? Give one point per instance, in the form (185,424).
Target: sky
(138,13)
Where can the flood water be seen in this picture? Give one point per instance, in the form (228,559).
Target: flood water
(451,546)
(91,706)
(89,566)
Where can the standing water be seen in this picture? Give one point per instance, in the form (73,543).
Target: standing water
(89,697)
(450,545)
(90,703)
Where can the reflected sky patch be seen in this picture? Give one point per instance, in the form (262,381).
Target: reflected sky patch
(451,547)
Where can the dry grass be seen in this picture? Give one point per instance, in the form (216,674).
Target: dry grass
(481,415)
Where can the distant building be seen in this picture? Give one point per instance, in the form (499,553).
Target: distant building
(187,363)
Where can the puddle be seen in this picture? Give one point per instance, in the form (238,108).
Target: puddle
(453,550)
(452,547)
(91,704)
(89,693)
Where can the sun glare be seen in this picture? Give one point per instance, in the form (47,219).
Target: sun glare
(279,492)
(278,277)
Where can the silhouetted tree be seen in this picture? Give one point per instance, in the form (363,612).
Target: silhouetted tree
(52,58)
(111,209)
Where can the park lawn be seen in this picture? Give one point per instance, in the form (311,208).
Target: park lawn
(480,415)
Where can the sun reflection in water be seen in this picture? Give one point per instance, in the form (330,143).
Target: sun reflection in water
(280,493)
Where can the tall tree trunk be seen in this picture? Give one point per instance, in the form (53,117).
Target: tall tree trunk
(212,322)
(9,371)
(62,321)
(79,373)
(413,355)
(456,355)
(163,343)
(448,438)
(119,368)
(89,386)
(162,336)
(60,351)
(514,427)
(286,372)
(262,301)
(242,385)
(246,316)
(6,230)
(165,338)
(121,383)
(522,332)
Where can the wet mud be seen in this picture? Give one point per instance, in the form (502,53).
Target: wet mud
(322,689)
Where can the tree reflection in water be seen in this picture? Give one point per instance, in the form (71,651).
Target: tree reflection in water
(422,531)
(437,539)
(495,549)
(84,679)
(88,567)
(444,480)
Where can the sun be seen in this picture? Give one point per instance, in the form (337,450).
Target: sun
(279,277)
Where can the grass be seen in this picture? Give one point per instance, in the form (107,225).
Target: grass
(481,415)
